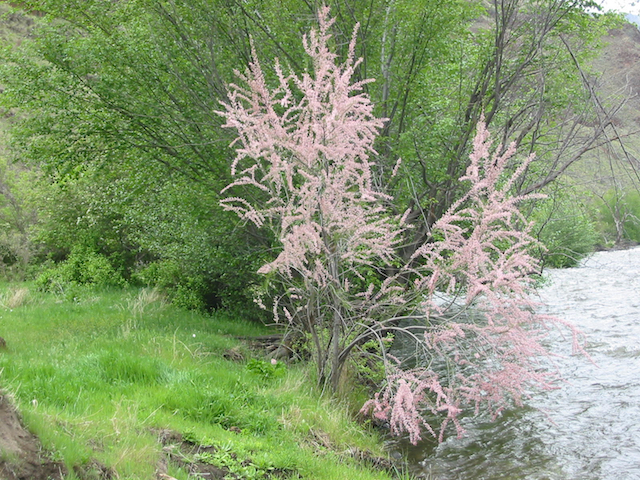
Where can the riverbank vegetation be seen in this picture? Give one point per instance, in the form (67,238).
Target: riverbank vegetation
(159,145)
(112,145)
(120,384)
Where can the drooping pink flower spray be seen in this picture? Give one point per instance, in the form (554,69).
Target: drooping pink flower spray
(487,356)
(305,146)
(304,149)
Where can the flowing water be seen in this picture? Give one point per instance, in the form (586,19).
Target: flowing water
(590,428)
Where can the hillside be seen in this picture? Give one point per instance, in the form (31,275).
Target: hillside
(617,78)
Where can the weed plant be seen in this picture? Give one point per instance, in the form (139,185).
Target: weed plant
(97,378)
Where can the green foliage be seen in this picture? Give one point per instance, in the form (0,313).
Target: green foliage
(86,212)
(198,254)
(18,215)
(620,216)
(185,291)
(266,370)
(115,102)
(170,236)
(127,135)
(566,228)
(500,67)
(82,267)
(368,364)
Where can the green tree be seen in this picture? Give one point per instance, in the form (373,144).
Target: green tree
(522,66)
(120,97)
(121,119)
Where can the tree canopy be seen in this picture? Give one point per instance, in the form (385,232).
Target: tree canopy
(116,101)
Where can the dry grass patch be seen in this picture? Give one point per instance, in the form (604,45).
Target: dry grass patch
(15,297)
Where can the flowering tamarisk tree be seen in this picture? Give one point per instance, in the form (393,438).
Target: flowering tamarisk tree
(482,352)
(304,149)
(305,146)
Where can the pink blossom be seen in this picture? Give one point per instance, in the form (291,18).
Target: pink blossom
(304,148)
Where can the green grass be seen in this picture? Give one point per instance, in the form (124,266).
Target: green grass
(97,378)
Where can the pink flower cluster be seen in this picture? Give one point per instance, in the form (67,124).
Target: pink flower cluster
(306,145)
(492,352)
(304,148)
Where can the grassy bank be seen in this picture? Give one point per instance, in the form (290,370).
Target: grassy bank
(122,385)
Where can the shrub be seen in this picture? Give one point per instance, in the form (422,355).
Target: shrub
(308,159)
(82,267)
(206,285)
(567,231)
(620,216)
(185,289)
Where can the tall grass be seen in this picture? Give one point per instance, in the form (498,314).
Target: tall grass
(14,298)
(98,378)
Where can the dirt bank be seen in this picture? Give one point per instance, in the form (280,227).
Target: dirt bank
(21,454)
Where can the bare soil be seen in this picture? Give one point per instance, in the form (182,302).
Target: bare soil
(21,454)
(181,452)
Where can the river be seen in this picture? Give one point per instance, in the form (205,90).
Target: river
(587,430)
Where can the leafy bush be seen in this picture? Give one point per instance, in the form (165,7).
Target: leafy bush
(186,289)
(82,267)
(84,212)
(567,231)
(620,216)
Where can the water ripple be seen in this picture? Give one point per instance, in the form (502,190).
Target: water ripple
(590,428)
